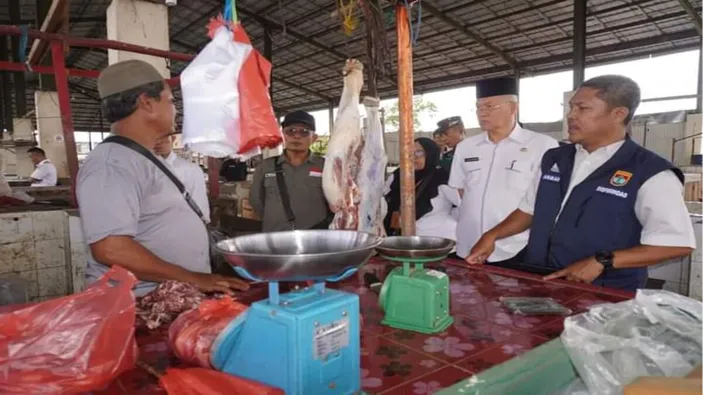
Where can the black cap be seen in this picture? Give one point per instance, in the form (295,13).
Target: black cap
(447,123)
(496,87)
(300,117)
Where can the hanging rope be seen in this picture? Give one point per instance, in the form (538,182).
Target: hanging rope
(375,20)
(22,48)
(346,12)
(414,33)
(230,13)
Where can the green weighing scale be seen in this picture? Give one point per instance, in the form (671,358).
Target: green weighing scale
(415,298)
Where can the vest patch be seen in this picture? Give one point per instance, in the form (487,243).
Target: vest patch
(473,159)
(611,191)
(552,178)
(620,178)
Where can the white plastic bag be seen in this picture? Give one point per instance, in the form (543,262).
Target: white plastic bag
(656,334)
(211,96)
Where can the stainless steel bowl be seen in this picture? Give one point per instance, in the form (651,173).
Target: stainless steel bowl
(299,255)
(415,247)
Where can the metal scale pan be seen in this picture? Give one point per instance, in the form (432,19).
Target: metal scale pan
(415,248)
(317,255)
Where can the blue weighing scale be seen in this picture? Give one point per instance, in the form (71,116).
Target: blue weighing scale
(305,341)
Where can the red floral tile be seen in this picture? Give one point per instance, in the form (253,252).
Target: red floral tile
(551,330)
(372,322)
(500,353)
(464,338)
(432,382)
(386,364)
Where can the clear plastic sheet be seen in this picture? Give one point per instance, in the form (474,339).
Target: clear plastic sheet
(70,345)
(656,334)
(576,387)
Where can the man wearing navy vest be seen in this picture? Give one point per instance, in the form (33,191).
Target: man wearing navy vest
(602,209)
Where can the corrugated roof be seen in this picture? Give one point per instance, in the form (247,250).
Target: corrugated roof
(309,46)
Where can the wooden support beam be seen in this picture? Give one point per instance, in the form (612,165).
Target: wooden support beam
(56,21)
(405,105)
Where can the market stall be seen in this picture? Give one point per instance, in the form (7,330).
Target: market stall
(394,361)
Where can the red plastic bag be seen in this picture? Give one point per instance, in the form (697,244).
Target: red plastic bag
(192,334)
(199,381)
(258,125)
(73,344)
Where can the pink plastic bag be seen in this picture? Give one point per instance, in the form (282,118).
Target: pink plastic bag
(73,344)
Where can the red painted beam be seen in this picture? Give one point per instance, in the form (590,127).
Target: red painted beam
(84,73)
(96,43)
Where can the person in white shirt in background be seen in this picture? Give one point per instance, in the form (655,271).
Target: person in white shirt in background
(44,174)
(190,174)
(492,170)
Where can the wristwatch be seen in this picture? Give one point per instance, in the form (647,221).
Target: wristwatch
(605,258)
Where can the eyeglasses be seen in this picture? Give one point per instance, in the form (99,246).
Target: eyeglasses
(490,107)
(301,132)
(419,153)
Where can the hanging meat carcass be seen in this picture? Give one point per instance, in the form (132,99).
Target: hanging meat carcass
(371,177)
(356,161)
(343,159)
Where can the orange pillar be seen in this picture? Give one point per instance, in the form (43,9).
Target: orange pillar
(406,134)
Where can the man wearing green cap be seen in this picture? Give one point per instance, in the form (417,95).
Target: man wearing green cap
(132,214)
(452,131)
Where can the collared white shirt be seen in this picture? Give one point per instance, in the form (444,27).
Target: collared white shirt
(45,174)
(193,179)
(659,206)
(494,178)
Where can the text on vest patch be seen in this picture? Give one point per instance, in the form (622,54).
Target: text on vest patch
(611,191)
(473,159)
(551,178)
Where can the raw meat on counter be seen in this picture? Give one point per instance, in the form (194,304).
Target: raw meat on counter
(192,334)
(162,305)
(354,170)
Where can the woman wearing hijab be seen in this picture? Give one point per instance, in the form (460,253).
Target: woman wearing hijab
(429,176)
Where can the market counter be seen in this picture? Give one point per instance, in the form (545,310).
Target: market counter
(394,361)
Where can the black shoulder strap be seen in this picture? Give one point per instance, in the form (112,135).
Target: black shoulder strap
(283,190)
(134,146)
(424,184)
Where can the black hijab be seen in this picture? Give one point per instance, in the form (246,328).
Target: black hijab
(427,182)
